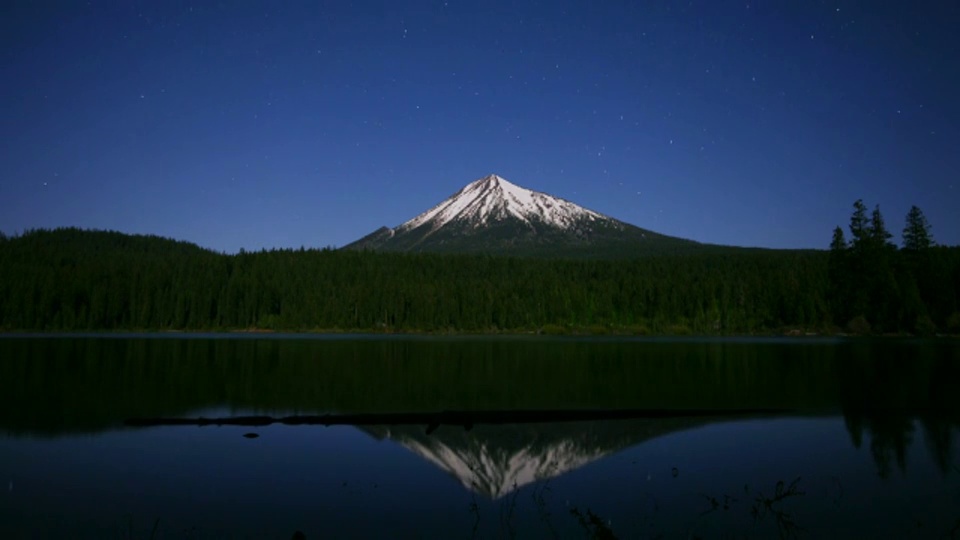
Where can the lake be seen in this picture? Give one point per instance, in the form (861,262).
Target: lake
(260,436)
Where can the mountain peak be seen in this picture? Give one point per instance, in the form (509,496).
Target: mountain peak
(494,215)
(493,181)
(491,178)
(492,199)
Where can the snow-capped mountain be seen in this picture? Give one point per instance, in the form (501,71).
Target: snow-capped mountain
(492,199)
(494,215)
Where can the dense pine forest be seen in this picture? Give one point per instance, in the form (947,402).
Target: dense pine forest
(72,279)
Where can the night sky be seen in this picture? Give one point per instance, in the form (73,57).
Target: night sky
(287,124)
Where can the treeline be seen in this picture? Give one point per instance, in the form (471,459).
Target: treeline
(71,279)
(876,287)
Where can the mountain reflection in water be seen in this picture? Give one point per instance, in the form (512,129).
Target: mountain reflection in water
(496,460)
(870,426)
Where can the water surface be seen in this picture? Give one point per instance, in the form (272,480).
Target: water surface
(727,438)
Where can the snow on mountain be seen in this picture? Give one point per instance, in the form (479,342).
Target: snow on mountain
(493,198)
(494,216)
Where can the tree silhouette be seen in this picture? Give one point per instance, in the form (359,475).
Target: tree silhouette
(869,278)
(916,233)
(877,231)
(858,225)
(838,274)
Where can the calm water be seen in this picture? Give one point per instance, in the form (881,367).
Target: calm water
(723,438)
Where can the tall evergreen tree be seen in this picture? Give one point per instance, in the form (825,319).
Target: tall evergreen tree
(877,232)
(916,233)
(859,225)
(839,242)
(857,269)
(920,272)
(838,269)
(878,278)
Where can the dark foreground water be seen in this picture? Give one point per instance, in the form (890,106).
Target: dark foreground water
(558,438)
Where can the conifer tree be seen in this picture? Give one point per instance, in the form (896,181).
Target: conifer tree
(857,268)
(838,269)
(878,277)
(877,232)
(858,225)
(916,233)
(839,242)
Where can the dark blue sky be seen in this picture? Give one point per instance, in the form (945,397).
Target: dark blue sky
(281,124)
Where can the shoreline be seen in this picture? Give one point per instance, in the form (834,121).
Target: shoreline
(573,333)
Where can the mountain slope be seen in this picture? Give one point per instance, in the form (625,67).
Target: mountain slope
(492,215)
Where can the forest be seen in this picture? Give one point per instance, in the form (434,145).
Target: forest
(71,279)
